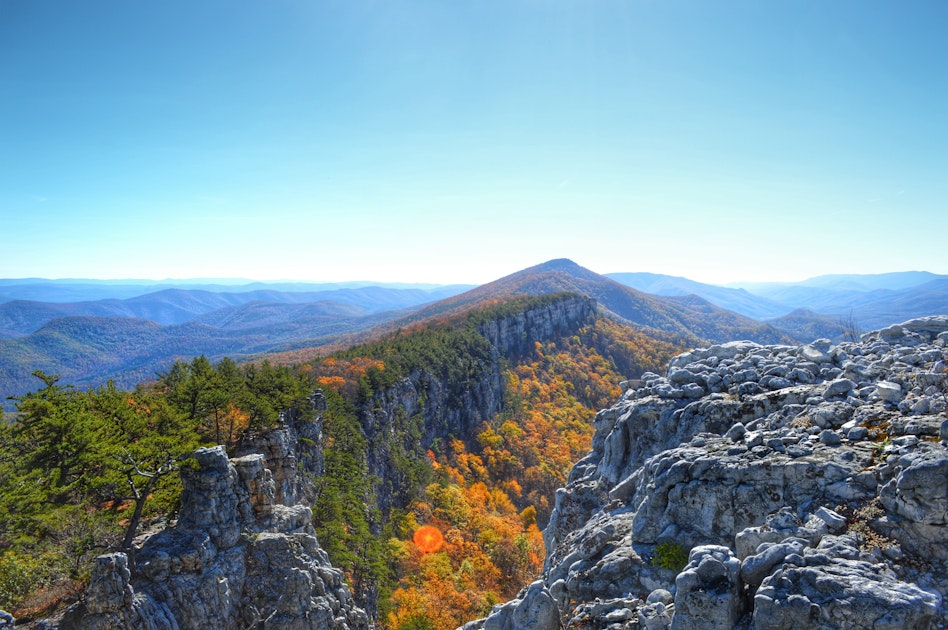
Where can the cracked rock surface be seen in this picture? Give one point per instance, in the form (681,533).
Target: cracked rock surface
(808,486)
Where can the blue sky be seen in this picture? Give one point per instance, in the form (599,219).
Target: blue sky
(459,141)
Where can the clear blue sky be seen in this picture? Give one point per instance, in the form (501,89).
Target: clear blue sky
(458,141)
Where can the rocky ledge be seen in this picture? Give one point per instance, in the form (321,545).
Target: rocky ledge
(759,487)
(237,558)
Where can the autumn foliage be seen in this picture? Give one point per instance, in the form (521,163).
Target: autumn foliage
(495,491)
(486,554)
(344,375)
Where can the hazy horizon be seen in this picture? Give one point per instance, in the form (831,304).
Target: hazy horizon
(406,282)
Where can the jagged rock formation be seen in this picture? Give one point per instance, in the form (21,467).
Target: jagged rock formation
(238,557)
(292,452)
(810,485)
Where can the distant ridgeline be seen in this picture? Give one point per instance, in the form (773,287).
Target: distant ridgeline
(92,333)
(466,424)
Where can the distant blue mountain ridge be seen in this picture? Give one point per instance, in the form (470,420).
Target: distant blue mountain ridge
(870,300)
(86,290)
(129,339)
(737,300)
(179,305)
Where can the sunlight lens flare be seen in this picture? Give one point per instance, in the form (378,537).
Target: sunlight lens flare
(428,539)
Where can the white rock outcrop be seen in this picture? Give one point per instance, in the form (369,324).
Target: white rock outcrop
(808,484)
(235,559)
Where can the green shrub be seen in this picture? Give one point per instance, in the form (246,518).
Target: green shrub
(671,556)
(20,574)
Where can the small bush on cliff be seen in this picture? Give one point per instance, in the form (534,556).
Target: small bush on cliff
(862,521)
(671,556)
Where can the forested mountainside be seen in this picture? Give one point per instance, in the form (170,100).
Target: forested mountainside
(88,351)
(230,291)
(734,299)
(805,324)
(873,300)
(177,306)
(20,318)
(688,316)
(467,425)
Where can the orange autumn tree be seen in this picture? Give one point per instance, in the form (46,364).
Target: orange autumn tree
(487,553)
(551,398)
(344,375)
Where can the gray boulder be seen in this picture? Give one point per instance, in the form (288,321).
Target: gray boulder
(536,610)
(790,524)
(832,591)
(708,593)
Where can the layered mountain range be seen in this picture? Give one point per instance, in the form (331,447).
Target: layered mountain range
(132,331)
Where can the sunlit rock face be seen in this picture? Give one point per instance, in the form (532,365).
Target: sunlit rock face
(760,487)
(237,558)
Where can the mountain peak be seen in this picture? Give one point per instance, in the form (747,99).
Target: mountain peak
(693,318)
(557,264)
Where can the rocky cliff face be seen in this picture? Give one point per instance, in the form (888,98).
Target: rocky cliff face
(759,487)
(239,557)
(515,334)
(292,452)
(424,407)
